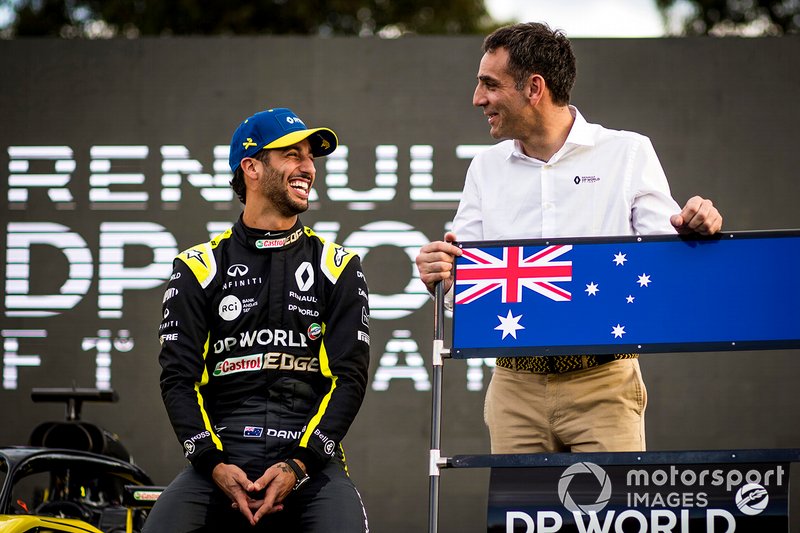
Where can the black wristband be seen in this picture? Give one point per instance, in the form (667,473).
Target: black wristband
(301,476)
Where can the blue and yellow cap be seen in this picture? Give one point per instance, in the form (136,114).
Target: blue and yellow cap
(277,128)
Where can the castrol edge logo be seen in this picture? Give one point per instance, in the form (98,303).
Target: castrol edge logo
(268,361)
(248,363)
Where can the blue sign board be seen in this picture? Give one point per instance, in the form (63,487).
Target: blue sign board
(590,497)
(733,291)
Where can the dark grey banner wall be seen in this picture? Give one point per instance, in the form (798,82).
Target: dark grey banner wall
(113,157)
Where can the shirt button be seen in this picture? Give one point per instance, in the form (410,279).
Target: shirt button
(548,205)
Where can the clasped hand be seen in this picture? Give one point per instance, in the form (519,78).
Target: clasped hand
(276,484)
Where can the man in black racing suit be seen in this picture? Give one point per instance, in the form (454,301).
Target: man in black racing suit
(265,351)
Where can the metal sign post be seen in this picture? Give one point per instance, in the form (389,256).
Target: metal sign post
(436,408)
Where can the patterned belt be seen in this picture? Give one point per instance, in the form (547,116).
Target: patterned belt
(558,364)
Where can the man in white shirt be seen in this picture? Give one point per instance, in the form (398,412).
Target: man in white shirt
(555,175)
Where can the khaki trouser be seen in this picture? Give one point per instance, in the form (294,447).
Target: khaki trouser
(598,409)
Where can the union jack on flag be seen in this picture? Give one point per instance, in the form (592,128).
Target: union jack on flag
(480,273)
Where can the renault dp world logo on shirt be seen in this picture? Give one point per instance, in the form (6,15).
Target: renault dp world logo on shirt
(583,469)
(585,179)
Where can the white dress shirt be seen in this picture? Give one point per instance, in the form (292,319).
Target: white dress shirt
(602,182)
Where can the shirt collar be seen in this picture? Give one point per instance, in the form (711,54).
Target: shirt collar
(579,135)
(270,240)
(581,132)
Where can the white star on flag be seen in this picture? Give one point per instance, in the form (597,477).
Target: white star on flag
(592,288)
(619,259)
(630,299)
(509,325)
(618,331)
(644,279)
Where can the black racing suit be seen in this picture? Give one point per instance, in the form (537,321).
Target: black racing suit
(264,348)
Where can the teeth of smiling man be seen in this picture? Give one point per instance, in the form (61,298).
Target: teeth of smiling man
(299,184)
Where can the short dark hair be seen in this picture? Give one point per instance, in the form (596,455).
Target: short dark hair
(533,48)
(237,183)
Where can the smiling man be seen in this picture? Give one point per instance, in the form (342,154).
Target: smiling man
(265,352)
(556,175)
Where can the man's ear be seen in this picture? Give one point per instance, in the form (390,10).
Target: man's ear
(535,88)
(248,165)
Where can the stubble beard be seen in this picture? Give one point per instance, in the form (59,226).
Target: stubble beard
(276,192)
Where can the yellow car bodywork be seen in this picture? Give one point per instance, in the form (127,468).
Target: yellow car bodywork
(43,524)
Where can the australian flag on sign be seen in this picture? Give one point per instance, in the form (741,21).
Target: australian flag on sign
(737,291)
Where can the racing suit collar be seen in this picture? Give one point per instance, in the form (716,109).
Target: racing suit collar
(259,239)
